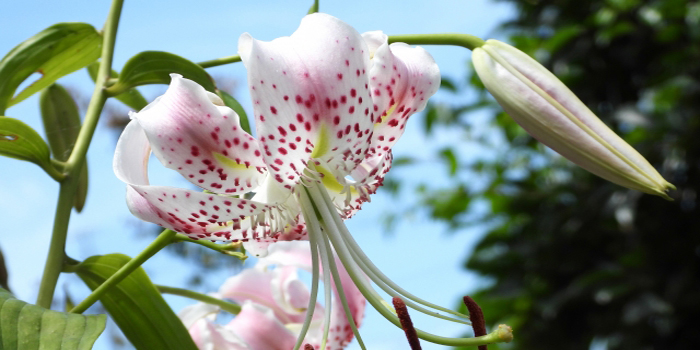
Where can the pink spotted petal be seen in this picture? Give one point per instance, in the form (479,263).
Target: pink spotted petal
(202,140)
(197,214)
(374,39)
(199,320)
(310,96)
(368,177)
(289,291)
(260,329)
(402,79)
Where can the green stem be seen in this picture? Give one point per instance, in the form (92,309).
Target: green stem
(454,39)
(228,248)
(226,306)
(220,61)
(165,238)
(313,9)
(55,259)
(69,184)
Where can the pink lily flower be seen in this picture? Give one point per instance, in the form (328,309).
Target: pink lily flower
(328,105)
(274,306)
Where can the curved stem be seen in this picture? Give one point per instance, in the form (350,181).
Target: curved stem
(454,39)
(220,61)
(159,243)
(74,164)
(224,305)
(228,248)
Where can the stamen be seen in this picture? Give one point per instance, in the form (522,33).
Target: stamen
(406,324)
(318,237)
(372,271)
(477,317)
(341,293)
(317,194)
(314,280)
(308,347)
(394,293)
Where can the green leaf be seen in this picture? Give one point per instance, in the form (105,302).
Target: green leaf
(155,67)
(61,118)
(451,159)
(20,141)
(447,84)
(56,51)
(136,305)
(28,327)
(233,104)
(131,97)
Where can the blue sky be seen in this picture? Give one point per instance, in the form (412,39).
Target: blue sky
(419,255)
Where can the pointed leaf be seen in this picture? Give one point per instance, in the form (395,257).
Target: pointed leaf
(155,67)
(54,52)
(131,97)
(61,118)
(136,305)
(233,104)
(31,327)
(20,141)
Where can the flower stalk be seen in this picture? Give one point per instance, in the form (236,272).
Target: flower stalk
(159,243)
(69,184)
(224,305)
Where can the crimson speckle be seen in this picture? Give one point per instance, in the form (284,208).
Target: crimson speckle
(273,109)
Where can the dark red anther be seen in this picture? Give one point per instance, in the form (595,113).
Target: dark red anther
(477,317)
(406,324)
(308,347)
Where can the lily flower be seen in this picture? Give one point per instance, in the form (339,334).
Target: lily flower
(274,303)
(551,113)
(329,104)
(325,110)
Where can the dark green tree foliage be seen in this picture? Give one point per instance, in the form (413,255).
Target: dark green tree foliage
(574,260)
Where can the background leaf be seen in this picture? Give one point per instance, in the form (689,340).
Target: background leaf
(61,118)
(20,141)
(31,327)
(56,51)
(131,97)
(233,104)
(155,67)
(136,305)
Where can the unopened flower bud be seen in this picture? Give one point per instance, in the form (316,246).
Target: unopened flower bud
(551,113)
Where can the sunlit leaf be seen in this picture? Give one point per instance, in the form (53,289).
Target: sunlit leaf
(233,104)
(136,305)
(20,141)
(31,327)
(54,52)
(155,67)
